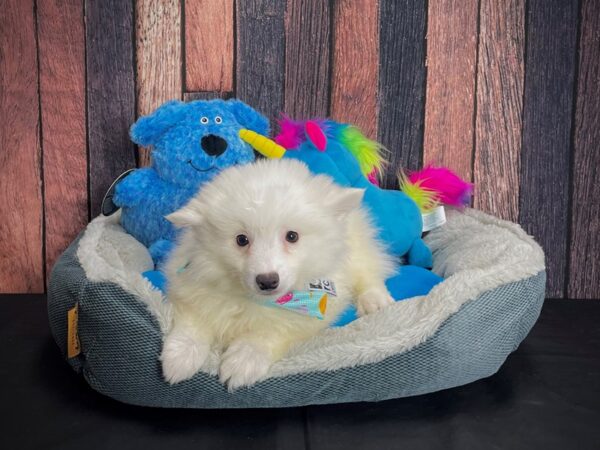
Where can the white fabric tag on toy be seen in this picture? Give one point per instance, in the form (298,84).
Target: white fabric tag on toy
(434,218)
(310,302)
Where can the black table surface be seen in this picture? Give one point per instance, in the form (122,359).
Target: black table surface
(546,396)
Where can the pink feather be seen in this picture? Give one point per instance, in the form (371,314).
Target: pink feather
(291,134)
(449,187)
(373,177)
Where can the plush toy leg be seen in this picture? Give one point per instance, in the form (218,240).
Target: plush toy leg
(420,255)
(409,281)
(159,250)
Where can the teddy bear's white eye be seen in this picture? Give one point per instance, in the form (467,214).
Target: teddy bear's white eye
(218,120)
(204,120)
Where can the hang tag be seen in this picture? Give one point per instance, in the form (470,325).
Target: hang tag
(108,208)
(434,218)
(73,346)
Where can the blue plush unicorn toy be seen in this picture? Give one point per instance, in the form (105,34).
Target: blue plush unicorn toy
(191,143)
(346,155)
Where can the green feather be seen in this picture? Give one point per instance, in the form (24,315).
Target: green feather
(425,199)
(367,152)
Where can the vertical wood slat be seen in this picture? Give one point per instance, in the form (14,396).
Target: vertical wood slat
(61,43)
(451,57)
(498,130)
(402,76)
(110,93)
(191,96)
(21,259)
(209,45)
(307,50)
(158,57)
(584,270)
(260,55)
(547,114)
(355,64)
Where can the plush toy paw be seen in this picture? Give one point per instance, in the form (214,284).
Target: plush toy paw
(373,300)
(243,364)
(160,249)
(182,356)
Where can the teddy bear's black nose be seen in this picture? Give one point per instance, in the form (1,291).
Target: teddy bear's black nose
(213,145)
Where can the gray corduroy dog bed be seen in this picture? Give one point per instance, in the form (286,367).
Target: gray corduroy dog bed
(462,331)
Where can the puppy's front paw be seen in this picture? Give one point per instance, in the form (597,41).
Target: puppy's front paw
(182,356)
(373,300)
(243,364)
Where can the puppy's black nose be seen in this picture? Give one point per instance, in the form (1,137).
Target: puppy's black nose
(267,281)
(213,145)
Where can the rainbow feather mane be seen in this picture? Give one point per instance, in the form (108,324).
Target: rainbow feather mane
(433,186)
(367,152)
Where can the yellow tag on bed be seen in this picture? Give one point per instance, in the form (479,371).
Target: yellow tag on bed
(73,347)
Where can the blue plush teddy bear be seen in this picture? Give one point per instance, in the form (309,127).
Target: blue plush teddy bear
(191,143)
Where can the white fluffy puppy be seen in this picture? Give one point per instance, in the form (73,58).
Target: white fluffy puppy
(255,233)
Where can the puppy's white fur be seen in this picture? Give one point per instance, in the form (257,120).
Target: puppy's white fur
(217,303)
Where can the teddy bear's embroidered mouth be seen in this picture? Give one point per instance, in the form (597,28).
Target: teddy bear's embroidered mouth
(197,169)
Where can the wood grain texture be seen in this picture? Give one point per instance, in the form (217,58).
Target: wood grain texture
(402,84)
(584,270)
(548,105)
(191,96)
(110,93)
(260,53)
(451,57)
(21,259)
(498,129)
(355,62)
(307,50)
(209,45)
(61,40)
(158,57)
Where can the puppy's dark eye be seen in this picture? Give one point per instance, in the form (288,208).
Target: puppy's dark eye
(204,120)
(242,240)
(291,236)
(218,120)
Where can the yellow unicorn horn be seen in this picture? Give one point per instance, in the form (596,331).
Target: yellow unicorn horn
(262,144)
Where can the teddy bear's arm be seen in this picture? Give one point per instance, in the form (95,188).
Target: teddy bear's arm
(131,189)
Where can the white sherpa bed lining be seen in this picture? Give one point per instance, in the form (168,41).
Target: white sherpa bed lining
(473,251)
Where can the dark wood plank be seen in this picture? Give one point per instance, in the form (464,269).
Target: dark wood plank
(307,50)
(584,270)
(547,114)
(355,63)
(61,40)
(209,45)
(191,96)
(402,84)
(260,55)
(110,93)
(21,259)
(498,129)
(451,58)
(158,57)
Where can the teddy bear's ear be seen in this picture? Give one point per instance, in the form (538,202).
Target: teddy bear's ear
(248,117)
(148,129)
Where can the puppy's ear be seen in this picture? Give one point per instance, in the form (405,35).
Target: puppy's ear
(188,216)
(345,200)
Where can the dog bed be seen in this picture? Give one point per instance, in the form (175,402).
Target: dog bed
(463,330)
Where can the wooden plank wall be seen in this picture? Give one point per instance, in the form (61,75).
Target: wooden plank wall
(505,92)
